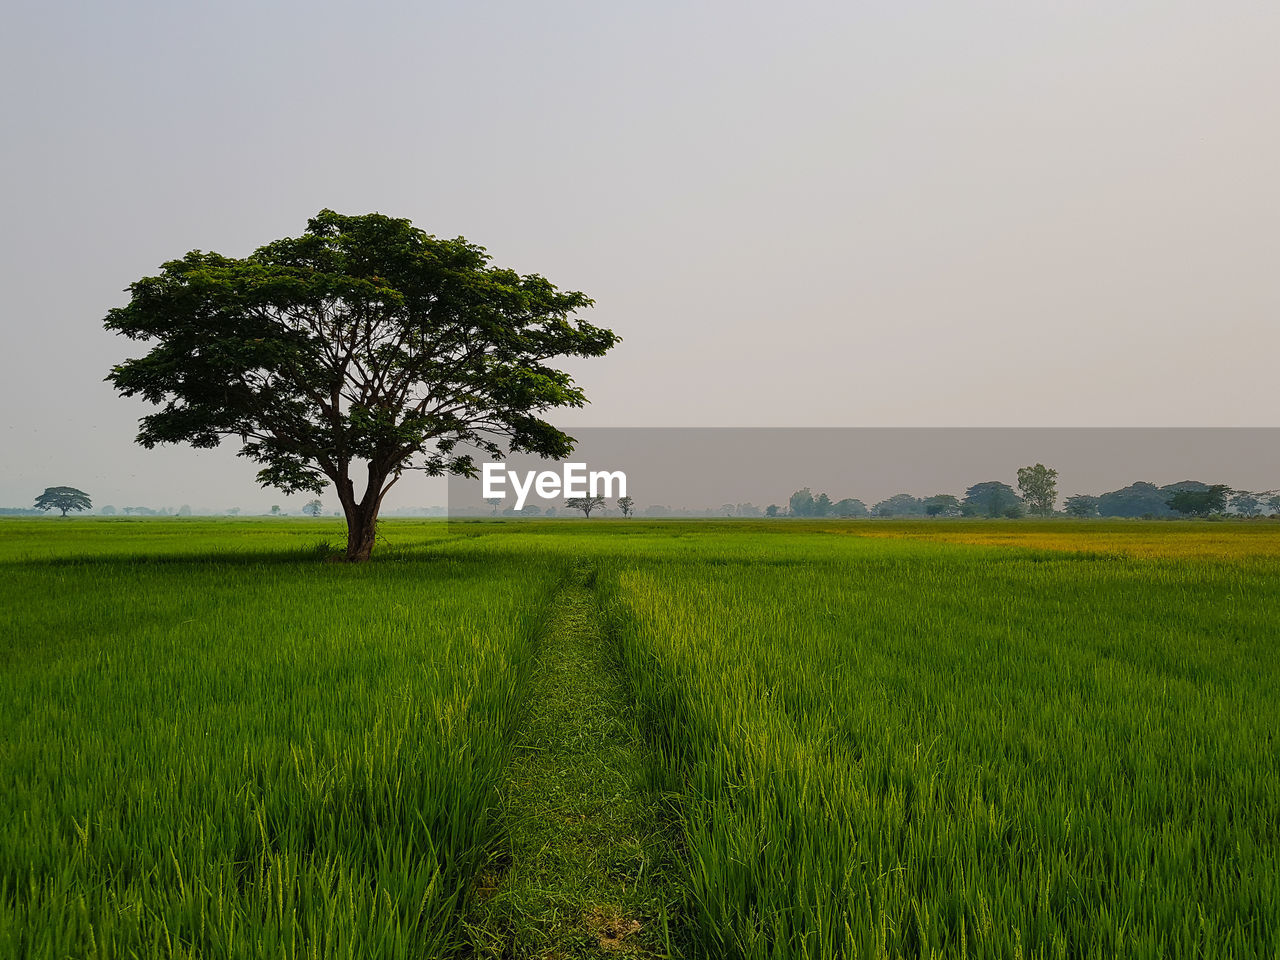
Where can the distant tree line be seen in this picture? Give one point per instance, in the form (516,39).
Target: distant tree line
(1037,495)
(991,498)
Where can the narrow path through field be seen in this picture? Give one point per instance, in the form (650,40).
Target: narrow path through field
(590,873)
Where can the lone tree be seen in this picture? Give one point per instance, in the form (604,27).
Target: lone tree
(585,504)
(365,347)
(627,505)
(64,499)
(1039,486)
(313,508)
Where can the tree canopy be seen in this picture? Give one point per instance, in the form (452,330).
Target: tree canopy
(991,498)
(899,505)
(365,346)
(1039,486)
(942,505)
(1082,505)
(1200,503)
(585,504)
(64,499)
(1143,499)
(1245,503)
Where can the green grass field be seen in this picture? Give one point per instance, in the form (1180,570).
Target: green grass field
(592,738)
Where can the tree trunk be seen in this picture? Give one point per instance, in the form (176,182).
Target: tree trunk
(362,530)
(362,515)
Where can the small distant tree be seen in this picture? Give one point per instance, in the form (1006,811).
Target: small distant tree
(184,510)
(493,502)
(772,510)
(108,511)
(1200,503)
(313,508)
(64,499)
(942,505)
(1082,505)
(821,506)
(585,504)
(231,512)
(627,505)
(275,510)
(728,509)
(531,510)
(1039,486)
(1273,503)
(802,503)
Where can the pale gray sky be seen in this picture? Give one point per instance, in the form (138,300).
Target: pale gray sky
(878,214)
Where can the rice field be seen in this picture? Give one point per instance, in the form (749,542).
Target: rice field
(260,755)
(941,739)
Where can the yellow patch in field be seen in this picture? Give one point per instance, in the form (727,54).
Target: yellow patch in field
(1225,541)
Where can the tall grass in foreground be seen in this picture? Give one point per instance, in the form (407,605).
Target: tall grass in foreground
(252,759)
(905,750)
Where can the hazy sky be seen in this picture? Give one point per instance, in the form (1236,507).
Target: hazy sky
(878,214)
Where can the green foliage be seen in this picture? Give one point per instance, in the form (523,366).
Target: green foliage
(801,503)
(990,499)
(899,505)
(64,499)
(1139,499)
(804,504)
(1082,505)
(585,504)
(1245,503)
(942,505)
(1200,503)
(365,344)
(1039,486)
(627,505)
(1147,500)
